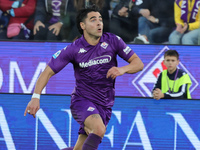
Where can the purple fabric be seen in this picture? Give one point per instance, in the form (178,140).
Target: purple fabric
(56,11)
(26,31)
(82,108)
(92,142)
(194,11)
(177,2)
(184,10)
(91,64)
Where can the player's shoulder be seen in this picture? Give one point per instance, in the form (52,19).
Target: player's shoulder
(110,36)
(74,46)
(75,43)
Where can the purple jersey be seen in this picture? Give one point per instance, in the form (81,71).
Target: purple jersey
(91,64)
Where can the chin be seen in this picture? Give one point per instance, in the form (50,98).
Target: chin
(99,35)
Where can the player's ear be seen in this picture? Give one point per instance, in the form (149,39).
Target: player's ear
(82,25)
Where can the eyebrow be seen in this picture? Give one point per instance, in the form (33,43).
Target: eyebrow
(95,17)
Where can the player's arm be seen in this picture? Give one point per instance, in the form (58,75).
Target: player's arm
(34,105)
(43,79)
(135,65)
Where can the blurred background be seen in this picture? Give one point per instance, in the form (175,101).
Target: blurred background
(135,21)
(31,31)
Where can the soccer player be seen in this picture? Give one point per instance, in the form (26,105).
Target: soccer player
(94,57)
(173,82)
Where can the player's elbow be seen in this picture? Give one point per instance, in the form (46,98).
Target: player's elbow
(140,66)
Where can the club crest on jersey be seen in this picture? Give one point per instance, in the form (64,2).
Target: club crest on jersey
(104,45)
(56,54)
(82,50)
(90,109)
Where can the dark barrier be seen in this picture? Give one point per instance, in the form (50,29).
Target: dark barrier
(136,123)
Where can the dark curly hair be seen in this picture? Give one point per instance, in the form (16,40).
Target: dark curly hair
(82,14)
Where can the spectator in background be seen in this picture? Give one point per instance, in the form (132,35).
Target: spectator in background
(173,82)
(4,20)
(156,27)
(21,18)
(53,19)
(124,18)
(0,13)
(187,22)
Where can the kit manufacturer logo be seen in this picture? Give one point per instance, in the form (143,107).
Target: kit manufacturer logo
(82,50)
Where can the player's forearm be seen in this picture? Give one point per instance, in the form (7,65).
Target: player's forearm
(40,84)
(43,80)
(135,65)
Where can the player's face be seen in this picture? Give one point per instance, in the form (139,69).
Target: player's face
(171,63)
(93,25)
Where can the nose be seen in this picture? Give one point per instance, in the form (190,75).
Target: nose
(98,22)
(170,62)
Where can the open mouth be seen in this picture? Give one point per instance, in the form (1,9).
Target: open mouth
(99,29)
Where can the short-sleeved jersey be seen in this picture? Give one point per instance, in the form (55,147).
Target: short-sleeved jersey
(91,64)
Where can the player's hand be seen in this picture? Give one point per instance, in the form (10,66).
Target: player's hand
(56,28)
(114,72)
(32,107)
(36,26)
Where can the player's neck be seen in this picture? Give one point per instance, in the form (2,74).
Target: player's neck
(92,40)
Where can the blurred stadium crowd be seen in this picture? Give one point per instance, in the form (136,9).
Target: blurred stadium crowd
(135,21)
